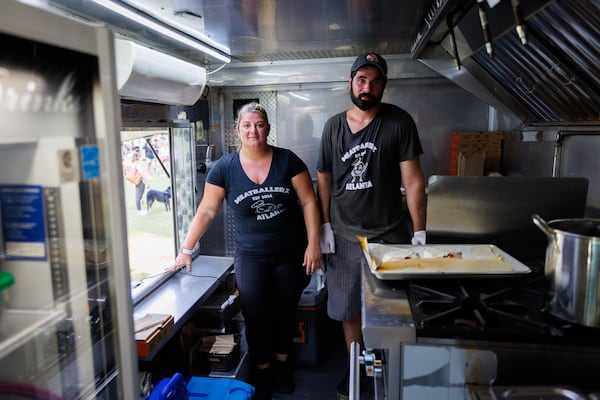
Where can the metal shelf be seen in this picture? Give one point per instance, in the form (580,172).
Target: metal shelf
(19,326)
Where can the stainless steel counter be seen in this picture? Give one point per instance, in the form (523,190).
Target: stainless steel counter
(183,292)
(443,359)
(387,323)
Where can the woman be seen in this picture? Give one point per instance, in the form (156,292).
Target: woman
(136,174)
(276,217)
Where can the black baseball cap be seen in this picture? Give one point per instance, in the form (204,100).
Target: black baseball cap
(370,59)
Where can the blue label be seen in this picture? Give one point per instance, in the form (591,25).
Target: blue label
(90,162)
(23,223)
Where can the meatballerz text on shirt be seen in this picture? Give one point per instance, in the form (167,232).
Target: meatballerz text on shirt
(259,191)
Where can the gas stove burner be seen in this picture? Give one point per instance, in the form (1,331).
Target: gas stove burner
(483,309)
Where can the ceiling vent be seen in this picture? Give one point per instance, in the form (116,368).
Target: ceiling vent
(148,75)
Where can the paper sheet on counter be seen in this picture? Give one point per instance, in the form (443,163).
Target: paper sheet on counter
(408,261)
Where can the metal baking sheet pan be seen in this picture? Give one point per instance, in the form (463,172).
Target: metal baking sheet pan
(402,262)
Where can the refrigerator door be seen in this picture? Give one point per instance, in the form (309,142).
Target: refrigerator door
(67,329)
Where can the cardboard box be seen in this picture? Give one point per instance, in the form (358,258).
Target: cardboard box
(150,331)
(468,148)
(471,164)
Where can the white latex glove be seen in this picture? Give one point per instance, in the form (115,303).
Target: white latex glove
(327,240)
(418,238)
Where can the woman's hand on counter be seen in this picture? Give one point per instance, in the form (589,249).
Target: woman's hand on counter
(182,261)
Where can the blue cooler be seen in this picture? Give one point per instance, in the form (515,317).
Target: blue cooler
(176,388)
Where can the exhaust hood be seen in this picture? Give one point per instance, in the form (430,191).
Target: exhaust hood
(553,78)
(148,75)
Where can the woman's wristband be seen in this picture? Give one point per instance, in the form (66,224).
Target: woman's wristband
(187,251)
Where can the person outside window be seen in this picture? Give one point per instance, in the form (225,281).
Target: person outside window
(137,171)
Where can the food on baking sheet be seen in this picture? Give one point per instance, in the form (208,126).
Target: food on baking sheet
(442,252)
(438,259)
(434,259)
(400,254)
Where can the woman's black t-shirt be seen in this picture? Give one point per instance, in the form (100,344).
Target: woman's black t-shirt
(268,217)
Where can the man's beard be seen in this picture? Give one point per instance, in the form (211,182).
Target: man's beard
(365,101)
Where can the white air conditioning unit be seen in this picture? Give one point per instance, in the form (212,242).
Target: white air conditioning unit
(148,75)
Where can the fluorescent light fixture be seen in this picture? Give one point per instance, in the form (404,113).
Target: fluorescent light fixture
(281,74)
(153,9)
(299,96)
(126,12)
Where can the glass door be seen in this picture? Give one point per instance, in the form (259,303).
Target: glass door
(161,204)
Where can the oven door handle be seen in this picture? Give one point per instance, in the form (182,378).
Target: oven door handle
(374,369)
(354,391)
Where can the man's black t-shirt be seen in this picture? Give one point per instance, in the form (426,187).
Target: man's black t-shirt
(366,199)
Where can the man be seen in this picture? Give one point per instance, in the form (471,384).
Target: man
(367,153)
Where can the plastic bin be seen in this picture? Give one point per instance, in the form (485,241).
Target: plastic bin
(217,311)
(202,361)
(315,291)
(219,389)
(176,388)
(308,347)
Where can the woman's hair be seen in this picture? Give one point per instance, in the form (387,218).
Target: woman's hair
(251,107)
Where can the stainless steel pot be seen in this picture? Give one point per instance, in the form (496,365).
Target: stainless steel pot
(573,268)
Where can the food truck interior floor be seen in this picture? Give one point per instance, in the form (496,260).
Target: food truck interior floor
(319,381)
